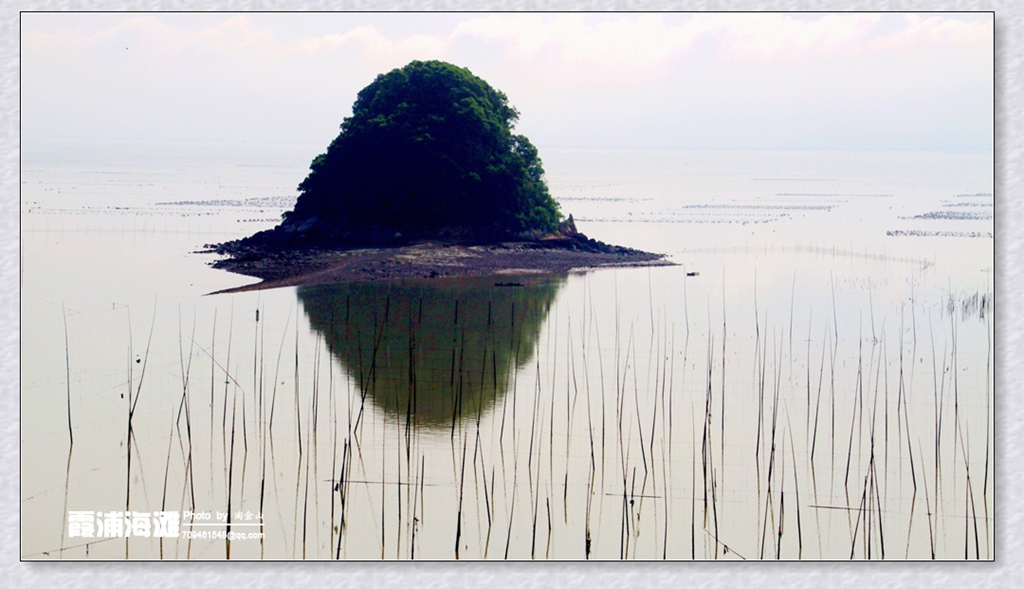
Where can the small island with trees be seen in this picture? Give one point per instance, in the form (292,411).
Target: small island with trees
(426,179)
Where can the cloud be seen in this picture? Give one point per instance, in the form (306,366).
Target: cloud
(636,48)
(774,38)
(623,49)
(375,48)
(578,79)
(588,49)
(235,34)
(925,32)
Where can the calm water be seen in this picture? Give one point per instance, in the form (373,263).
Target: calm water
(813,380)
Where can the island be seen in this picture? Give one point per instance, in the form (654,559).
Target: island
(426,178)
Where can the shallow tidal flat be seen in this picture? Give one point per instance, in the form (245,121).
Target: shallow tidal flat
(432,260)
(799,386)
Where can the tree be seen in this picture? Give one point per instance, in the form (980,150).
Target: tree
(428,151)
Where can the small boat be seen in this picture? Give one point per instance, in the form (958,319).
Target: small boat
(693,273)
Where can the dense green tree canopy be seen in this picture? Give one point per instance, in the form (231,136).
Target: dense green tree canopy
(429,150)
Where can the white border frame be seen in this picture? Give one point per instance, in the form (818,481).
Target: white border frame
(1009,486)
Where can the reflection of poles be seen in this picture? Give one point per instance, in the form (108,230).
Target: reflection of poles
(71,436)
(67,485)
(371,377)
(132,402)
(67,373)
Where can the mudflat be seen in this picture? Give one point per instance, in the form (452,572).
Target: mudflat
(308,266)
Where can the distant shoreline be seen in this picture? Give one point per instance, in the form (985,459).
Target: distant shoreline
(278,268)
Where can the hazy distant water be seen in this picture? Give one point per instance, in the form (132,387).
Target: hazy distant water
(842,301)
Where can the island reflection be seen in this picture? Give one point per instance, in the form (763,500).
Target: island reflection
(432,351)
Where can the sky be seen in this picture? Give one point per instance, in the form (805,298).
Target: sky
(776,81)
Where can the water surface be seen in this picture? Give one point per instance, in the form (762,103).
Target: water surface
(814,380)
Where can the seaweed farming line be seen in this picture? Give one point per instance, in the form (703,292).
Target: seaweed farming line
(758,207)
(279,202)
(604,199)
(953,216)
(667,220)
(809,249)
(922,233)
(836,194)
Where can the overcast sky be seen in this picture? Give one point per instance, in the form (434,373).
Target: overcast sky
(854,81)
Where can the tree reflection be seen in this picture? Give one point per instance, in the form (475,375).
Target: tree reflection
(432,351)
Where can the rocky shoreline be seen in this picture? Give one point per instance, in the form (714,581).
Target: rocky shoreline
(279,266)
